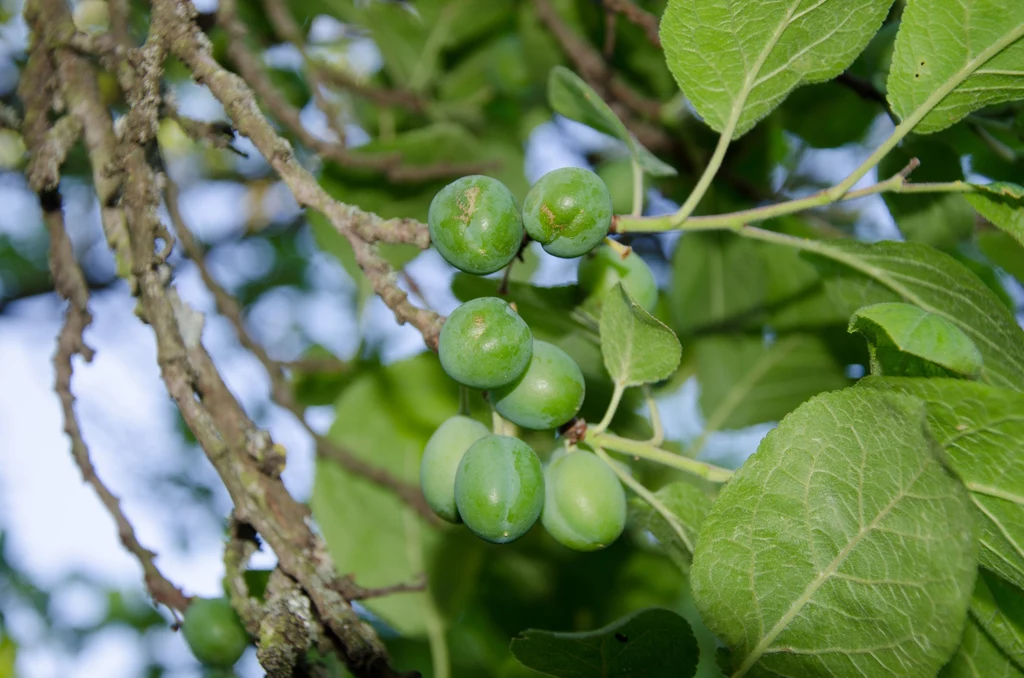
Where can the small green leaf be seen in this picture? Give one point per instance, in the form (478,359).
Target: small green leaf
(744,380)
(688,503)
(953,57)
(653,643)
(737,61)
(570,96)
(981,429)
(843,544)
(998,607)
(979,657)
(637,348)
(1002,203)
(869,273)
(906,340)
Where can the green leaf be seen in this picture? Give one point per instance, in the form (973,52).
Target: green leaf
(745,380)
(394,546)
(688,503)
(653,643)
(953,57)
(941,220)
(840,546)
(717,278)
(637,347)
(900,333)
(923,276)
(1003,251)
(1002,203)
(570,96)
(998,608)
(981,429)
(978,657)
(737,61)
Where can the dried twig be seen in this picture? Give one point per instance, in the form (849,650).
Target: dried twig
(636,15)
(71,285)
(280,390)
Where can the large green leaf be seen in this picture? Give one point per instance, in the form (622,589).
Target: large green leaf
(908,341)
(956,56)
(653,643)
(688,503)
(923,276)
(637,348)
(841,546)
(981,429)
(370,533)
(570,96)
(737,60)
(998,607)
(1002,204)
(744,380)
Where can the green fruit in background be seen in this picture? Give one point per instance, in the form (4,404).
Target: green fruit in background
(499,488)
(475,224)
(603,268)
(214,632)
(92,16)
(618,177)
(584,503)
(12,149)
(441,459)
(568,211)
(547,395)
(485,344)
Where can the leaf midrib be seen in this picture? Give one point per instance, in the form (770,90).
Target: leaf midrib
(823,577)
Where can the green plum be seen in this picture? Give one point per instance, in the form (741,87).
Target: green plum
(499,488)
(475,224)
(214,632)
(485,344)
(441,459)
(584,503)
(547,395)
(617,175)
(600,270)
(568,211)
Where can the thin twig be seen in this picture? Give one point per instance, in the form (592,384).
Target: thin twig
(280,390)
(71,285)
(636,15)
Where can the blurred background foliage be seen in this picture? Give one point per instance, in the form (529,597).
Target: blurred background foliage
(443,84)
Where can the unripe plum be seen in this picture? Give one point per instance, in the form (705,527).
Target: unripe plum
(584,503)
(214,632)
(603,268)
(441,459)
(547,395)
(484,344)
(499,488)
(475,224)
(568,211)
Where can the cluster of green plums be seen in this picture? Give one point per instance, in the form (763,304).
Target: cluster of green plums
(496,484)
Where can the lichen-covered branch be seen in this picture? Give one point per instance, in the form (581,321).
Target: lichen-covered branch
(281,391)
(71,285)
(360,228)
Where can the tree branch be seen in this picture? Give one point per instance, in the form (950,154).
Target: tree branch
(638,16)
(71,285)
(281,392)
